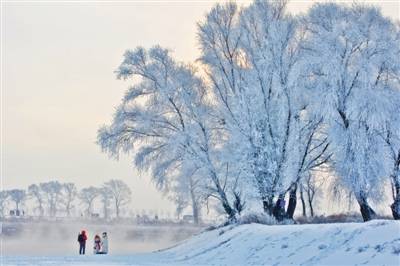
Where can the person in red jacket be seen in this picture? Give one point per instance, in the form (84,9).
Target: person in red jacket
(82,237)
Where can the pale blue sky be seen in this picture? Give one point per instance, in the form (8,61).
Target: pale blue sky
(59,86)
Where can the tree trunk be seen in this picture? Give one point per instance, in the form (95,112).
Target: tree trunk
(41,210)
(225,203)
(228,209)
(105,208)
(223,198)
(311,207)
(69,209)
(195,209)
(366,211)
(195,205)
(221,193)
(396,208)
(303,203)
(396,204)
(268,205)
(279,209)
(195,214)
(52,209)
(310,196)
(117,210)
(292,202)
(105,213)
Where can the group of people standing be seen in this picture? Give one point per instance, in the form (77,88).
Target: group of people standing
(100,245)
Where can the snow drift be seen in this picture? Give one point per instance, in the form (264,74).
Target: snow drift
(372,243)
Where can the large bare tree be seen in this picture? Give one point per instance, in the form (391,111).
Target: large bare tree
(120,193)
(87,196)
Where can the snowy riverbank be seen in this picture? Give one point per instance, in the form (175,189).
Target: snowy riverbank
(373,243)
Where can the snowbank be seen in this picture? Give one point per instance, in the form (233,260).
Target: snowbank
(373,243)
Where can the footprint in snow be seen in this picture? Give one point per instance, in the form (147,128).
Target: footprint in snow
(362,249)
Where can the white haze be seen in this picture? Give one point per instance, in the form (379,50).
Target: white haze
(60,238)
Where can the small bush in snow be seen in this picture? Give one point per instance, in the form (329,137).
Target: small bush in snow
(287,221)
(261,218)
(338,218)
(218,226)
(396,250)
(362,249)
(322,246)
(257,217)
(379,248)
(211,228)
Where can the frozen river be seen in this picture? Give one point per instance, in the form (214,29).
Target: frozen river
(60,238)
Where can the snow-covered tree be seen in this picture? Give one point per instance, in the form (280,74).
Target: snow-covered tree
(18,196)
(312,187)
(119,192)
(52,193)
(87,196)
(303,202)
(106,198)
(353,62)
(4,196)
(69,193)
(34,192)
(181,204)
(254,64)
(187,192)
(277,97)
(165,119)
(249,116)
(391,136)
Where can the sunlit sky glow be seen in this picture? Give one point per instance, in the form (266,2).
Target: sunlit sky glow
(58,83)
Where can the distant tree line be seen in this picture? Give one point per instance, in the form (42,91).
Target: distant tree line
(55,198)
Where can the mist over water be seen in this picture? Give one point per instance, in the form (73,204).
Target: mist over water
(60,238)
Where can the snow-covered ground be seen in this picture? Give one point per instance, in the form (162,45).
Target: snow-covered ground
(373,243)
